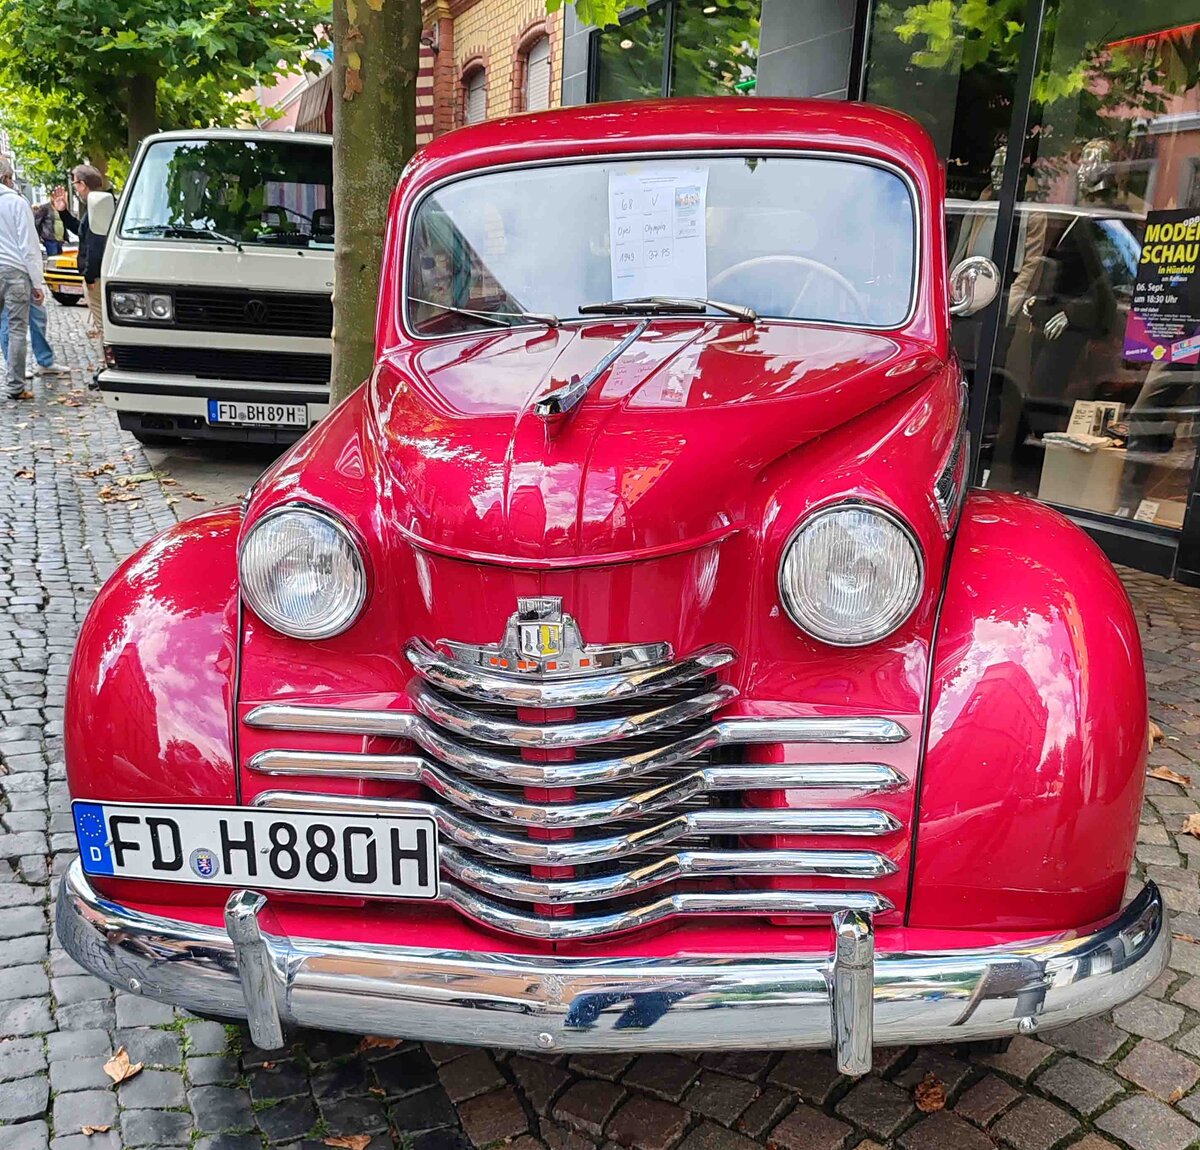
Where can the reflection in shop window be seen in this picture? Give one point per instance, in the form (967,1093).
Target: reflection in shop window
(1096,381)
(712,49)
(1094,400)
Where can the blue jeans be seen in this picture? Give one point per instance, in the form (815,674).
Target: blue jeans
(42,351)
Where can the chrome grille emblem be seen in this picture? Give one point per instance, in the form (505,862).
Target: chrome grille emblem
(540,627)
(541,639)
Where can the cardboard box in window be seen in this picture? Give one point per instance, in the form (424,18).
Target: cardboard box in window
(1090,480)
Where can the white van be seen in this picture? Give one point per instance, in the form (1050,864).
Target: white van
(217,286)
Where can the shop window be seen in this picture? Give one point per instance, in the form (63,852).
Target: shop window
(475,96)
(1095,399)
(714,48)
(629,57)
(535,94)
(679,48)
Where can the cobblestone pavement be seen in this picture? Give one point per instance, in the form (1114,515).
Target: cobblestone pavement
(1127,1080)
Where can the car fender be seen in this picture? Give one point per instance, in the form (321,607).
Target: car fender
(151,686)
(1036,740)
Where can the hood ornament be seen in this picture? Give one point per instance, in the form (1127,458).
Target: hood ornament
(540,639)
(563,400)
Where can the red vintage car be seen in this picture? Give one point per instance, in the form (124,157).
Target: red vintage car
(625,664)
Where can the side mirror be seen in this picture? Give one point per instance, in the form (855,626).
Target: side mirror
(101,207)
(974,283)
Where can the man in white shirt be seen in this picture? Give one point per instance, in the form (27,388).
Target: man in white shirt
(21,281)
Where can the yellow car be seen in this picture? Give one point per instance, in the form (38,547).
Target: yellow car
(63,277)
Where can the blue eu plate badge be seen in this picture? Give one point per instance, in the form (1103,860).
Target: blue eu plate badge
(93,838)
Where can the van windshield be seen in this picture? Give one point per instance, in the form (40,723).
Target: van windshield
(828,239)
(277,193)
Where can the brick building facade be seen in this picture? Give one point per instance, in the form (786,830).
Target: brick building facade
(486,58)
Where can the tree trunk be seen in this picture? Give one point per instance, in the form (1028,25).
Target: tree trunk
(141,109)
(376,57)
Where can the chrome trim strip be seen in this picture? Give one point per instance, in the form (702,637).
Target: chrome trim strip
(449,752)
(470,724)
(685,864)
(616,1003)
(581,691)
(467,796)
(814,729)
(739,902)
(494,842)
(853,990)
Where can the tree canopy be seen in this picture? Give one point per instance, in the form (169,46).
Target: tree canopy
(92,77)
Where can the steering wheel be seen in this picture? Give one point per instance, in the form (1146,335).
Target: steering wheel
(815,271)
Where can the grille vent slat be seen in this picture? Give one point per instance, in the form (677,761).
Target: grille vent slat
(652,816)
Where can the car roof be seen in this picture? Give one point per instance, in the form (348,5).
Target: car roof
(686,124)
(257,134)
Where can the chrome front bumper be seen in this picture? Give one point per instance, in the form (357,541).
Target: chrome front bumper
(849,1000)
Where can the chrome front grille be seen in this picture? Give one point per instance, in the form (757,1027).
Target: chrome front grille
(570,808)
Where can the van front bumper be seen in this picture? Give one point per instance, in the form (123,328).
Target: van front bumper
(849,999)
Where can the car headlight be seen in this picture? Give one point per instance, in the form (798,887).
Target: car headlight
(302,573)
(157,307)
(850,574)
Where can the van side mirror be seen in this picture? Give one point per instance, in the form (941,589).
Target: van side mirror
(101,207)
(974,283)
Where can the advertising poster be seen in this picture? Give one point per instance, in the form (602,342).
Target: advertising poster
(1164,315)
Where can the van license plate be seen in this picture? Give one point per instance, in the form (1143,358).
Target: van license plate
(258,414)
(371,856)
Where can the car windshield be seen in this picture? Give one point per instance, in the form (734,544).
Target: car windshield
(821,239)
(277,193)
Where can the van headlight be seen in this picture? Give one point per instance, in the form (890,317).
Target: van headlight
(141,306)
(302,573)
(850,574)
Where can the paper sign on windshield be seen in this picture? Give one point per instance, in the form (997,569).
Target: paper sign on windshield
(656,219)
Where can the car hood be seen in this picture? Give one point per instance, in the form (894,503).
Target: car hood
(660,456)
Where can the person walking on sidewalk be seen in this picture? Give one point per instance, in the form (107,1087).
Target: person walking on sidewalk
(43,353)
(21,282)
(85,179)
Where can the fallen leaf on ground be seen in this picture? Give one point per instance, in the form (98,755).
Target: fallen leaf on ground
(196,496)
(1184,937)
(930,1095)
(1191,826)
(88,1131)
(1153,733)
(349,1141)
(1175,1096)
(102,469)
(119,1068)
(377,1042)
(376,1090)
(1169,776)
(130,480)
(24,473)
(172,502)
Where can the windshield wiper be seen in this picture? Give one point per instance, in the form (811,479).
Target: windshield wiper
(495,318)
(185,230)
(666,304)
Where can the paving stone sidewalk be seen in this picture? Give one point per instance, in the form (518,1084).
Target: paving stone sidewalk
(1129,1080)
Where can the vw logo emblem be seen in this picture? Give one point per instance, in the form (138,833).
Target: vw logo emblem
(256,311)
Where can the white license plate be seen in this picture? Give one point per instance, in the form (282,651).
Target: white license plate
(69,289)
(373,856)
(258,414)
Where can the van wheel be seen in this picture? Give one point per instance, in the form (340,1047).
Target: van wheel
(153,439)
